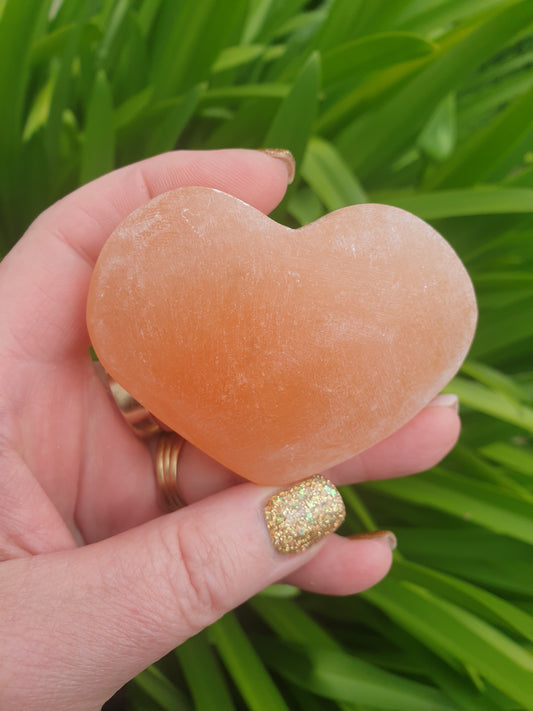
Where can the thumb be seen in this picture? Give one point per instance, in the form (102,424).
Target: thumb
(93,618)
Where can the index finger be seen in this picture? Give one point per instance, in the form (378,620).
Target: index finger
(45,278)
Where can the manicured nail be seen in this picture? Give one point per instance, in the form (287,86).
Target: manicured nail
(387,536)
(286,156)
(445,400)
(300,516)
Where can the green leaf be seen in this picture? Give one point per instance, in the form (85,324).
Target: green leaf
(439,136)
(249,91)
(490,402)
(332,180)
(478,157)
(424,16)
(380,135)
(305,206)
(189,38)
(466,460)
(347,19)
(266,18)
(166,133)
(451,631)
(481,503)
(129,70)
(341,677)
(479,106)
(371,53)
(471,553)
(291,623)
(54,43)
(377,16)
(245,666)
(245,127)
(238,56)
(293,122)
(341,106)
(200,664)
(147,15)
(280,591)
(39,110)
(496,380)
(20,23)
(135,107)
(469,597)
(514,457)
(154,683)
(113,36)
(61,96)
(493,341)
(461,203)
(98,152)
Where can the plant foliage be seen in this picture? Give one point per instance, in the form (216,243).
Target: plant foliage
(424,104)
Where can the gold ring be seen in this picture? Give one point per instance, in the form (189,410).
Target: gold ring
(167,455)
(137,417)
(168,447)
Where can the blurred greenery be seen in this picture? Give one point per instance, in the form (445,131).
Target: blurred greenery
(424,104)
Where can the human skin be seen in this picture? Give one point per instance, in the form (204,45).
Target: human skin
(95,583)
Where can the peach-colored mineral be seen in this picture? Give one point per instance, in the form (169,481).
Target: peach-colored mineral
(279,352)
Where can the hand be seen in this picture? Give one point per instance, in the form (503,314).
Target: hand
(78,621)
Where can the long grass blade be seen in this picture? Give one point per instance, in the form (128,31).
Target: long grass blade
(161,690)
(199,664)
(348,61)
(245,666)
(189,39)
(98,153)
(341,677)
(485,605)
(490,402)
(480,156)
(375,139)
(293,122)
(481,503)
(167,132)
(325,170)
(515,457)
(19,26)
(449,630)
(462,203)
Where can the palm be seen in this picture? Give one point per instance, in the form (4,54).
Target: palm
(78,472)
(61,427)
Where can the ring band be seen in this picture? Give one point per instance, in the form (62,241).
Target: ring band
(136,416)
(167,455)
(168,447)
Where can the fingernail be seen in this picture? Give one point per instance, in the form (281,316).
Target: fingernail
(387,536)
(446,400)
(300,516)
(286,156)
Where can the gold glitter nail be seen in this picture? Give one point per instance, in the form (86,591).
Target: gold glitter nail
(300,516)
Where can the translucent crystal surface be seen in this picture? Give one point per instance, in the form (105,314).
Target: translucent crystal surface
(279,352)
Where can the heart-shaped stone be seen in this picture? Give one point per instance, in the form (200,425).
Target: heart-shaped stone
(279,352)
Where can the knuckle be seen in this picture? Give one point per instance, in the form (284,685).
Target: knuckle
(201,576)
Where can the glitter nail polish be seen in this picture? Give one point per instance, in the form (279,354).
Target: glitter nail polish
(301,515)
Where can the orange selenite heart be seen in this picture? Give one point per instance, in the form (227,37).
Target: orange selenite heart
(279,352)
